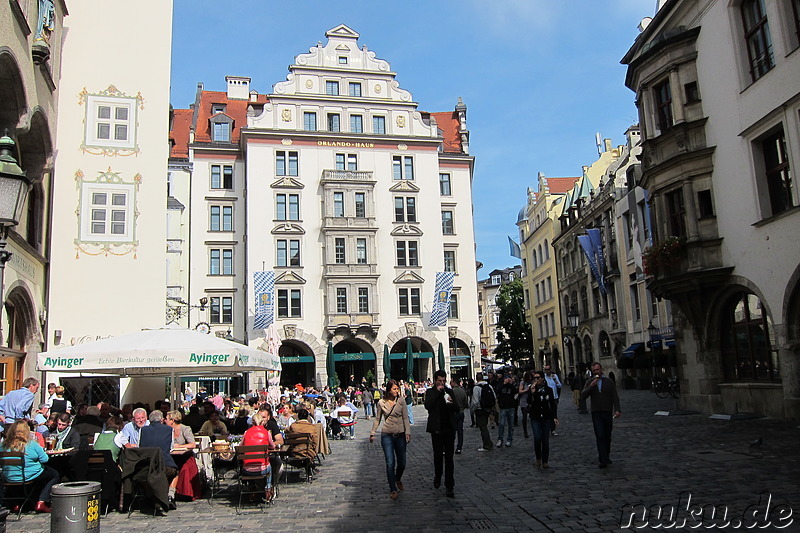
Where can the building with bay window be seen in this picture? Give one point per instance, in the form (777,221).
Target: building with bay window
(719,107)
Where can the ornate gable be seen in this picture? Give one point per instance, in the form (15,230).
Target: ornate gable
(288,228)
(409,276)
(287,182)
(406,230)
(404,186)
(289,278)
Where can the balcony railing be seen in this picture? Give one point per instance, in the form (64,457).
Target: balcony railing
(346,175)
(353,321)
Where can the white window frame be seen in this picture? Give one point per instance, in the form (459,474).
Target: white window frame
(93,105)
(88,190)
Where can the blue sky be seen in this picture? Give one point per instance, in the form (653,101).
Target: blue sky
(539,77)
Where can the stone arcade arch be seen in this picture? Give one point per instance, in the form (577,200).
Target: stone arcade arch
(22,336)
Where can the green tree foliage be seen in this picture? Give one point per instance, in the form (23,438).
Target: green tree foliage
(514,335)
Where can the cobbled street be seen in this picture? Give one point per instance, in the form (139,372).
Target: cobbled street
(656,458)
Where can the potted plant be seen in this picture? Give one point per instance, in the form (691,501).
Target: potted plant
(663,255)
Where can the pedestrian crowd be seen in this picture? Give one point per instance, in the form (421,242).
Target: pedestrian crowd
(496,400)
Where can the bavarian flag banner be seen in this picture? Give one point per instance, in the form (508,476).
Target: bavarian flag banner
(264,287)
(441,300)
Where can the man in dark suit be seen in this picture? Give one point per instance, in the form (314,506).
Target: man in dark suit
(605,407)
(441,405)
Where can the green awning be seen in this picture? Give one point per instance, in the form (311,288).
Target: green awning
(297,359)
(362,356)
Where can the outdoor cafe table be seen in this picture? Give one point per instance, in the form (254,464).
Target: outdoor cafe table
(224,460)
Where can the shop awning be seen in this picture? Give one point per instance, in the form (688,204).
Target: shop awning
(359,356)
(459,360)
(631,350)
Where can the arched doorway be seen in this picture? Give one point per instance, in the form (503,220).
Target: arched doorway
(298,364)
(19,329)
(354,361)
(423,357)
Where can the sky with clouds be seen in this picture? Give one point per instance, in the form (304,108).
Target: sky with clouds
(539,77)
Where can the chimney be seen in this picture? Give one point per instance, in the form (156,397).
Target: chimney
(238,87)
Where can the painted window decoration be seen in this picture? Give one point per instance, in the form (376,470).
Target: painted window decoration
(107,213)
(110,122)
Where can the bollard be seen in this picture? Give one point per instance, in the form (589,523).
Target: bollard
(76,507)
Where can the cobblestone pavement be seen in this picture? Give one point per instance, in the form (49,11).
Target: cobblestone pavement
(656,458)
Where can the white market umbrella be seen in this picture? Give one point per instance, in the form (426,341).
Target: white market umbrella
(162,351)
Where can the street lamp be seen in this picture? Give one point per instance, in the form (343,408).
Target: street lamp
(572,320)
(14,187)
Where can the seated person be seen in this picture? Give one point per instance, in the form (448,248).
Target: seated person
(18,440)
(303,426)
(194,419)
(129,436)
(89,424)
(109,438)
(214,427)
(40,418)
(66,437)
(258,434)
(242,422)
(344,415)
(158,435)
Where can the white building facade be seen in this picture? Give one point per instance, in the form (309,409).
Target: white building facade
(353,198)
(109,226)
(719,105)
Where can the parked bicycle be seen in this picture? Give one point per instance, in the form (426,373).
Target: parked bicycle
(664,387)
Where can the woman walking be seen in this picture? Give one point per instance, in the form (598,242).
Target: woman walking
(524,387)
(543,411)
(395,434)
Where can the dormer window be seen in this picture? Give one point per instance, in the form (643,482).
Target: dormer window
(217,108)
(221,126)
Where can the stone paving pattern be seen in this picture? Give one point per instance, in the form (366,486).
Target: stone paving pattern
(655,459)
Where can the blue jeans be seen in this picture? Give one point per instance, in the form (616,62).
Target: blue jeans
(264,472)
(603,422)
(541,438)
(410,414)
(369,409)
(506,418)
(394,450)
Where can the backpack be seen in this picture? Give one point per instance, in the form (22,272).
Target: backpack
(487,397)
(376,395)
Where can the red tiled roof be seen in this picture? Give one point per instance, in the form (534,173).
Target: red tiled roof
(236,109)
(179,135)
(449,124)
(561,185)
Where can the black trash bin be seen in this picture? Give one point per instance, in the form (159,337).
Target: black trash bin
(76,507)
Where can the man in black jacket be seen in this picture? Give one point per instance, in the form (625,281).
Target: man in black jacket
(442,408)
(603,393)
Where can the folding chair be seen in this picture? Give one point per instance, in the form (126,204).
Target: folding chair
(299,462)
(342,425)
(28,487)
(250,479)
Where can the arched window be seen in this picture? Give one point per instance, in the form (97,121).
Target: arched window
(587,349)
(546,251)
(747,340)
(541,257)
(584,303)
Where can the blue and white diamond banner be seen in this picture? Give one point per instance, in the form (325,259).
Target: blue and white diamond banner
(264,289)
(441,299)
